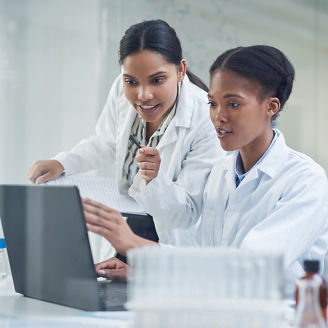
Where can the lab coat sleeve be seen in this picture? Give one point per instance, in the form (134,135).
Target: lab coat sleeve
(95,151)
(298,220)
(177,204)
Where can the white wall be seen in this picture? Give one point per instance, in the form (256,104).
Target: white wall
(58,59)
(49,79)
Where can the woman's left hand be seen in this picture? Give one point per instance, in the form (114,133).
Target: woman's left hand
(110,224)
(149,162)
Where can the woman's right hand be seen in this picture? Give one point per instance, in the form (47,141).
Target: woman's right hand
(113,269)
(43,171)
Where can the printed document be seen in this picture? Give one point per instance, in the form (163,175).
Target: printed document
(103,190)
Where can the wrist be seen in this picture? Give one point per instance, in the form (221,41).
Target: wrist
(138,241)
(141,242)
(60,166)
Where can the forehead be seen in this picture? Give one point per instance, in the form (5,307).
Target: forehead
(145,61)
(224,82)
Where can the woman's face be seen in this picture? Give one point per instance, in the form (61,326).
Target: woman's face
(241,118)
(150,84)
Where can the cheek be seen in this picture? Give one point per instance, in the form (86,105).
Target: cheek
(128,93)
(168,92)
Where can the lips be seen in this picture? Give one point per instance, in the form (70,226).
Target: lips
(222,133)
(147,108)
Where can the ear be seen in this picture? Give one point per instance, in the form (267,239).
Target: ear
(273,106)
(182,69)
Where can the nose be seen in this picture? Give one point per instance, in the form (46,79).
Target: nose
(220,115)
(145,93)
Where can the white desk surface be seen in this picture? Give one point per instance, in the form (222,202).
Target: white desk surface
(19,311)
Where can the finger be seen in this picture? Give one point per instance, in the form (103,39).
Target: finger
(99,216)
(106,222)
(99,231)
(90,205)
(147,158)
(43,178)
(148,166)
(116,274)
(34,172)
(112,263)
(33,175)
(148,151)
(94,203)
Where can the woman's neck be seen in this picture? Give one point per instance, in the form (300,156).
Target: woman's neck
(151,127)
(251,153)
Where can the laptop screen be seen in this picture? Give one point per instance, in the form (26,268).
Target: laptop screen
(48,245)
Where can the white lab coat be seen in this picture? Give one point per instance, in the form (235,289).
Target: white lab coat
(281,205)
(188,149)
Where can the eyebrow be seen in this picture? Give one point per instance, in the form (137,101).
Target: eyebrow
(227,96)
(150,76)
(232,95)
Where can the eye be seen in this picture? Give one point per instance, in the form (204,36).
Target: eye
(212,104)
(130,82)
(158,80)
(233,104)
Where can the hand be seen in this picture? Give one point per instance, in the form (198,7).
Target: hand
(43,171)
(149,162)
(110,224)
(113,269)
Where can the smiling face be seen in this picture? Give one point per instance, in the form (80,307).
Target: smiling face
(150,84)
(241,118)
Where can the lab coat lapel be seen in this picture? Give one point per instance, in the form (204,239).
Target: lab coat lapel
(230,175)
(125,122)
(182,116)
(170,136)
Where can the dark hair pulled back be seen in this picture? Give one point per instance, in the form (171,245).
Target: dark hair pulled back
(158,36)
(266,65)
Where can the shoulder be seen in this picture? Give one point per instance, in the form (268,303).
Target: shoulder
(193,97)
(302,163)
(287,163)
(294,169)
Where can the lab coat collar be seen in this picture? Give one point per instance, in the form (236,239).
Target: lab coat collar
(269,166)
(125,122)
(277,154)
(183,115)
(230,173)
(184,111)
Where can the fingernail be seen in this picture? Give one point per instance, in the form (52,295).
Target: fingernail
(101,272)
(141,150)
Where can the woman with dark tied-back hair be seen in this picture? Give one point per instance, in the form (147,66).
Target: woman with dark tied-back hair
(164,106)
(265,195)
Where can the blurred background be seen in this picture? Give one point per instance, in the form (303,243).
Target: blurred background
(59,58)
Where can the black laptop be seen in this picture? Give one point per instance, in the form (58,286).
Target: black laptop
(49,251)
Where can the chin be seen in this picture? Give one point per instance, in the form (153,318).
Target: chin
(227,147)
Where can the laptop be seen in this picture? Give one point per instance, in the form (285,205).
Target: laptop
(49,250)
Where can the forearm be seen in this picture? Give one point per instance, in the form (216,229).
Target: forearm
(88,154)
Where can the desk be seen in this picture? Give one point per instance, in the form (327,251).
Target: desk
(19,311)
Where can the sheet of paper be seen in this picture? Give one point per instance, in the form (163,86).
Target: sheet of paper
(102,190)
